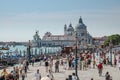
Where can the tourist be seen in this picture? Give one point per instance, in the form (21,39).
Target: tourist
(17,72)
(94,63)
(46,65)
(107,61)
(84,64)
(80,64)
(104,61)
(61,62)
(27,64)
(23,73)
(89,63)
(4,73)
(25,70)
(100,68)
(14,73)
(24,67)
(33,61)
(51,75)
(115,61)
(74,77)
(70,62)
(51,64)
(20,61)
(38,75)
(40,58)
(107,76)
(57,66)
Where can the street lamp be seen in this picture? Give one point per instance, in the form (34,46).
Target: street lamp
(29,52)
(110,45)
(76,71)
(93,56)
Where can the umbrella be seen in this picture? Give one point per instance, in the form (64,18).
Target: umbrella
(45,78)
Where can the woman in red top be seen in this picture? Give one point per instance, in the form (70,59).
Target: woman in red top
(115,62)
(100,68)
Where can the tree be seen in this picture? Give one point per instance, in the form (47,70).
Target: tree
(114,38)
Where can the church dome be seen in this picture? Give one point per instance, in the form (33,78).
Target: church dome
(70,28)
(80,25)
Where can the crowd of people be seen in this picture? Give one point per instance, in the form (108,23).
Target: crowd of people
(84,61)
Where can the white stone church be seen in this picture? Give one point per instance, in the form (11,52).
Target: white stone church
(84,39)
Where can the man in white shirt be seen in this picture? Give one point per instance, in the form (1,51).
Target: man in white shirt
(51,75)
(38,75)
(74,77)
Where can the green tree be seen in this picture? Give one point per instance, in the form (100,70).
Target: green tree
(114,38)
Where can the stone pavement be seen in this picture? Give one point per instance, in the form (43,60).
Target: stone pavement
(63,74)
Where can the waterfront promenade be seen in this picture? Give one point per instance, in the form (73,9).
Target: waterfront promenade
(63,74)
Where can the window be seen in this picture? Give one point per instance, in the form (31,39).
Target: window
(82,34)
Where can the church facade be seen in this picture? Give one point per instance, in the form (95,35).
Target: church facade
(72,36)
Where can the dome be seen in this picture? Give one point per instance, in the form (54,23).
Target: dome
(70,28)
(80,25)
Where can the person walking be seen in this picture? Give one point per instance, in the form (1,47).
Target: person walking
(94,63)
(100,68)
(24,67)
(46,65)
(38,75)
(17,72)
(33,61)
(27,64)
(40,58)
(51,64)
(107,76)
(57,66)
(51,75)
(23,74)
(4,73)
(115,61)
(74,77)
(14,73)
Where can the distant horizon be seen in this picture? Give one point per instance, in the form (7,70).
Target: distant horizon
(19,20)
(57,34)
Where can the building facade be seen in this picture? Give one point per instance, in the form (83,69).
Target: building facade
(80,32)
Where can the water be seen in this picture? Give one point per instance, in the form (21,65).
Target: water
(22,50)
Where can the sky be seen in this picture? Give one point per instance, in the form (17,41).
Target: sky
(19,19)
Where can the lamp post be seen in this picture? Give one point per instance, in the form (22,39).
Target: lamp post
(76,51)
(110,45)
(29,52)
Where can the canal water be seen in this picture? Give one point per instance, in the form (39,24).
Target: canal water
(22,50)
